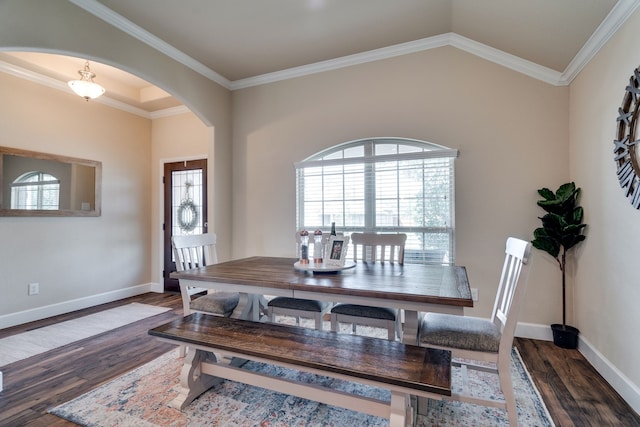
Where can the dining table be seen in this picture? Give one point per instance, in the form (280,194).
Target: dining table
(413,288)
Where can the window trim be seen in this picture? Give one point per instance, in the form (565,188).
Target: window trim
(44,179)
(428,150)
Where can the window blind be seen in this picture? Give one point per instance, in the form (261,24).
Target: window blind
(383,186)
(35,190)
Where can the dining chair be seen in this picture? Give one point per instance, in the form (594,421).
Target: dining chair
(194,251)
(373,247)
(472,339)
(298,307)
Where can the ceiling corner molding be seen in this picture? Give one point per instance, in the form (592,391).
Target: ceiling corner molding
(110,17)
(122,106)
(31,76)
(168,112)
(345,61)
(507,60)
(449,39)
(622,10)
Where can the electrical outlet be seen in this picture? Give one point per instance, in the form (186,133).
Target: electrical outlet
(34,289)
(474,294)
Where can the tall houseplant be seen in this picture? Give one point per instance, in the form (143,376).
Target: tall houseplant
(561,230)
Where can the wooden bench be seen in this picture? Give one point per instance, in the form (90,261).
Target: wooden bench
(405,370)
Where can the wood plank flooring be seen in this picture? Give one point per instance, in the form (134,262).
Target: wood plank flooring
(575,394)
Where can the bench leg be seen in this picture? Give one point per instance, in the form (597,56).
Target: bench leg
(402,414)
(192,381)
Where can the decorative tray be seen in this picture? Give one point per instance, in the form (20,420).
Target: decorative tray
(323,268)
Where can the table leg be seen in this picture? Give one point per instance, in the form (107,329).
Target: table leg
(192,381)
(410,327)
(410,336)
(250,307)
(245,309)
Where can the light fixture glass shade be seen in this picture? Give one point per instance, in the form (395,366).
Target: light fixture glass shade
(86,87)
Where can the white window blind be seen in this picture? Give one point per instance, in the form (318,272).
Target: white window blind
(383,185)
(35,190)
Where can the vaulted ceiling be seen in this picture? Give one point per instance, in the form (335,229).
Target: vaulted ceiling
(245,38)
(240,43)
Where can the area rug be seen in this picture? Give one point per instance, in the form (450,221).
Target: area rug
(141,398)
(27,344)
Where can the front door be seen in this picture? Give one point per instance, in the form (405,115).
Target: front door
(185,208)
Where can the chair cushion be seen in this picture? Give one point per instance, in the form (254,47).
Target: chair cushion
(462,332)
(298,304)
(365,311)
(222,303)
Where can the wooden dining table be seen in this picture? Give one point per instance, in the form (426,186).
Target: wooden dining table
(412,288)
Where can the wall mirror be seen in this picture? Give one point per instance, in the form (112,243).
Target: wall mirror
(41,184)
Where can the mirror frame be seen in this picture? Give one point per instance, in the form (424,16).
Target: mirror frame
(63,159)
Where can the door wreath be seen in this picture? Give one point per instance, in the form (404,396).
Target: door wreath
(188,216)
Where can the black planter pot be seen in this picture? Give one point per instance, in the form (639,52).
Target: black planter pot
(565,337)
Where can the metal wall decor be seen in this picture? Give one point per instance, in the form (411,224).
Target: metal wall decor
(625,146)
(187,212)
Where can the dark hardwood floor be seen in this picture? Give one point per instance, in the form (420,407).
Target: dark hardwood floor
(575,394)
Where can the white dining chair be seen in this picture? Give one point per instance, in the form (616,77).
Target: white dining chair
(194,251)
(373,247)
(472,339)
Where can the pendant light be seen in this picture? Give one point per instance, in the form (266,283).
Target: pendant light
(86,87)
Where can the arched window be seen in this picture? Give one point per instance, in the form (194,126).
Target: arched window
(383,185)
(35,190)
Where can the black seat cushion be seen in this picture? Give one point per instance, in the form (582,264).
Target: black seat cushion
(365,311)
(298,304)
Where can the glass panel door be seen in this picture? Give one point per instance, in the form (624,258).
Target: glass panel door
(185,211)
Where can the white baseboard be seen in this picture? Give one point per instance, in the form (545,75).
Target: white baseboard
(43,312)
(620,383)
(157,287)
(534,331)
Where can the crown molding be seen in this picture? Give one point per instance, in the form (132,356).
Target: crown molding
(345,61)
(168,112)
(622,10)
(122,106)
(504,59)
(449,39)
(110,17)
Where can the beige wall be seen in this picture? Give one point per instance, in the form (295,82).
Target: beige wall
(607,282)
(511,130)
(127,236)
(175,138)
(76,257)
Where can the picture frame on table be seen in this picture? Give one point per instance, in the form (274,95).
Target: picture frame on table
(338,246)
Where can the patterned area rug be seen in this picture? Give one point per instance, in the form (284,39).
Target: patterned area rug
(27,344)
(141,398)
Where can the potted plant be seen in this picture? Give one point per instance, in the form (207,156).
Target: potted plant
(561,230)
